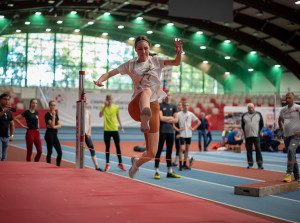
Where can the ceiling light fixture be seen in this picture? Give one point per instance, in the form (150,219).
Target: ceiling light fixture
(227,41)
(157,45)
(139,18)
(199,32)
(1,16)
(27,23)
(149,32)
(48,30)
(120,27)
(202,47)
(297,2)
(205,61)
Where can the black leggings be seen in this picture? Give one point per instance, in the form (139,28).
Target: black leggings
(52,141)
(115,135)
(169,138)
(89,143)
(177,143)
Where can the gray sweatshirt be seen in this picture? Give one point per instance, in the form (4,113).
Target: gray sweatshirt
(252,124)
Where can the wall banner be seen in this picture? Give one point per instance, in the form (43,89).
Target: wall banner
(66,105)
(233,115)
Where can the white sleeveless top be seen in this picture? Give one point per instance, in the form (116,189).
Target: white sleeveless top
(86,121)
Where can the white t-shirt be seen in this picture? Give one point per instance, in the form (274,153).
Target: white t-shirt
(291,117)
(145,74)
(185,121)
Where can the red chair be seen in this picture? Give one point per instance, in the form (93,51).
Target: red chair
(212,100)
(16,100)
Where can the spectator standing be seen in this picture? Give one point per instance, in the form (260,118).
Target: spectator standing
(110,112)
(177,135)
(185,118)
(53,124)
(87,136)
(202,132)
(32,134)
(6,122)
(167,116)
(289,124)
(208,133)
(252,124)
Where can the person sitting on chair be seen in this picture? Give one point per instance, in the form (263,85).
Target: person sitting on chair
(233,138)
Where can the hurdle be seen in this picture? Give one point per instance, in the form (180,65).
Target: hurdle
(80,123)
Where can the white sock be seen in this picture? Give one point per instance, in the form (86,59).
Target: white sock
(157,170)
(170,170)
(176,159)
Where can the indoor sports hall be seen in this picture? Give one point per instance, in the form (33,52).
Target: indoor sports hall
(82,139)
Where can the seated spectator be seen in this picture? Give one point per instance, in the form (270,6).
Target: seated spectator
(233,138)
(268,142)
(225,136)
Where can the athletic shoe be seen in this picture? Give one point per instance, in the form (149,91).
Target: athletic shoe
(107,167)
(134,169)
(287,178)
(260,167)
(99,169)
(156,176)
(121,166)
(145,118)
(173,175)
(174,164)
(186,167)
(207,149)
(249,166)
(192,161)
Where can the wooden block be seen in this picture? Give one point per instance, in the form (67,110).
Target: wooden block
(237,149)
(265,188)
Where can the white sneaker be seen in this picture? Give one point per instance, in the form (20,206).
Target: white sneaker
(134,169)
(145,117)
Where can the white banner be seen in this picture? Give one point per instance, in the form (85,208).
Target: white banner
(66,105)
(233,115)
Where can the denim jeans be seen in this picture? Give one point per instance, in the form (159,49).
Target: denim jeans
(3,147)
(202,133)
